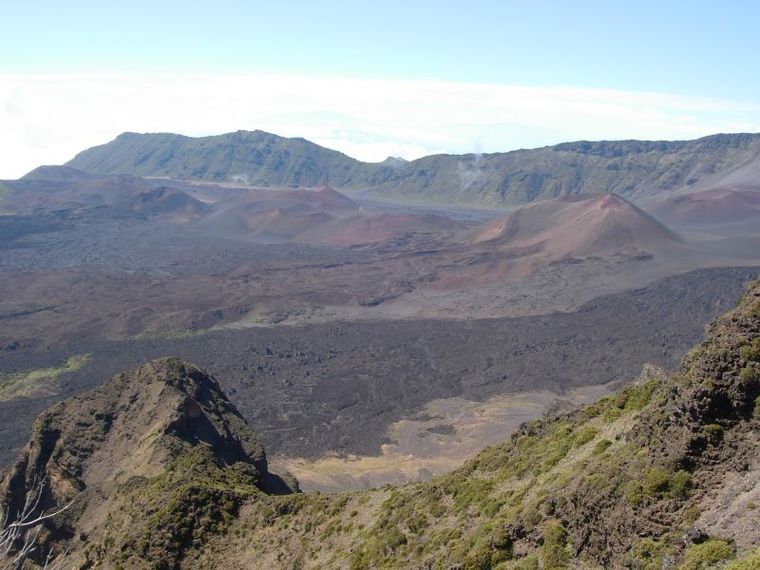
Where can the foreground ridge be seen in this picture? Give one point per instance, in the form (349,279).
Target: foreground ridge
(666,473)
(125,458)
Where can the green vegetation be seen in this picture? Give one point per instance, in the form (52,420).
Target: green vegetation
(660,481)
(751,351)
(601,446)
(584,435)
(195,498)
(262,159)
(633,491)
(20,384)
(553,552)
(750,562)
(649,554)
(635,398)
(755,311)
(713,432)
(171,334)
(706,555)
(530,562)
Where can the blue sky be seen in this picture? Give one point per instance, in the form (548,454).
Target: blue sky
(695,48)
(702,52)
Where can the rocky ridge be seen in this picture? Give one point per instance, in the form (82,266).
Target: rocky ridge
(633,169)
(663,474)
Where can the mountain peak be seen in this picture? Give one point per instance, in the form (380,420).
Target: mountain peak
(151,428)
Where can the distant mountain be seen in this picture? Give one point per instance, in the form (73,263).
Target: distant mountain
(248,158)
(156,469)
(632,169)
(56,173)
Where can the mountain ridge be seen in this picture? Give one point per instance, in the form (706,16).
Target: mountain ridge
(631,168)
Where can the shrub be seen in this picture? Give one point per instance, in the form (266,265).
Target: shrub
(751,351)
(749,374)
(601,446)
(707,554)
(691,514)
(634,398)
(680,483)
(612,415)
(472,491)
(633,491)
(713,432)
(584,435)
(553,552)
(749,562)
(659,481)
(648,554)
(527,563)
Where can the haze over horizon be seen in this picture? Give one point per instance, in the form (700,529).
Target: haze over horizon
(450,80)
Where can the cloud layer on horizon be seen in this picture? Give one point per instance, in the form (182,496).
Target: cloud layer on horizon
(46,119)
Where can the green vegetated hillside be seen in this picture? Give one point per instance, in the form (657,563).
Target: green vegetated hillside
(629,168)
(665,473)
(251,158)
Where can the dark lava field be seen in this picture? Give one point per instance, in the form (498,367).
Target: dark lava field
(327,319)
(338,386)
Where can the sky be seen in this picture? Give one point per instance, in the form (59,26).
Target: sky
(374,79)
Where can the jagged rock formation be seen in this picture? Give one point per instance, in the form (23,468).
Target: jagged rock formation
(633,169)
(144,444)
(666,473)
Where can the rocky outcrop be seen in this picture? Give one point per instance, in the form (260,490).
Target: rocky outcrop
(100,450)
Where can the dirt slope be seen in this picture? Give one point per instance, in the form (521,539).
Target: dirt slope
(576,226)
(716,206)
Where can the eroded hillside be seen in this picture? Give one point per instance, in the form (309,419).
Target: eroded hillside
(664,473)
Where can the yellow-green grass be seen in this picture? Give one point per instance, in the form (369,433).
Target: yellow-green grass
(40,381)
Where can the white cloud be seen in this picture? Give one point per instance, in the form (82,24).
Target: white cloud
(46,119)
